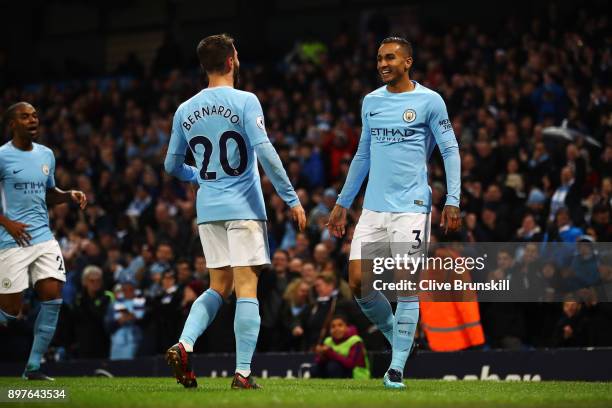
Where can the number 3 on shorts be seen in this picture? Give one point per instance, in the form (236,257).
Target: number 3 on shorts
(417,237)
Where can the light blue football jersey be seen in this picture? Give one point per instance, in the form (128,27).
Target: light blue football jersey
(221,126)
(399,133)
(25,177)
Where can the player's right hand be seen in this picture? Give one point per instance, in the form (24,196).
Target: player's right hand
(17,230)
(299,216)
(450,219)
(337,221)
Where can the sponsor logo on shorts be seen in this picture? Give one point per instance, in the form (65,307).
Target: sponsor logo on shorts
(6,283)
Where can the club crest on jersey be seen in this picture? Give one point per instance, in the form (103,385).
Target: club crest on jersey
(260,122)
(45,169)
(6,283)
(409,115)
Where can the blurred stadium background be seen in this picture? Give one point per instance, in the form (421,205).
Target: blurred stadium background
(528,90)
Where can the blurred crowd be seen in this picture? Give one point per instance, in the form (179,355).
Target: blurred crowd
(530,106)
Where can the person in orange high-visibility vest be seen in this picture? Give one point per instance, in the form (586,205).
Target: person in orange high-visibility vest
(453,325)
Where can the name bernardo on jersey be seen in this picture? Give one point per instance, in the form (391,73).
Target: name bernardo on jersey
(209,111)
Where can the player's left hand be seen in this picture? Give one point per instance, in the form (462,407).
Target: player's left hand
(299,216)
(337,221)
(79,197)
(450,219)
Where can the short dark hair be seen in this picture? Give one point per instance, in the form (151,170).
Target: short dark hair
(214,50)
(402,42)
(10,115)
(339,316)
(281,251)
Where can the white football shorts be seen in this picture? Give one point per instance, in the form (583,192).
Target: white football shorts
(235,243)
(39,261)
(383,227)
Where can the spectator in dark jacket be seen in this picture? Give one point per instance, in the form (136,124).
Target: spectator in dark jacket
(568,194)
(571,328)
(295,305)
(530,231)
(583,268)
(329,301)
(90,306)
(600,222)
(272,285)
(166,312)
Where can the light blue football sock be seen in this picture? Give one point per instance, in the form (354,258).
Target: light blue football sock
(5,318)
(246,327)
(44,328)
(377,308)
(404,326)
(202,313)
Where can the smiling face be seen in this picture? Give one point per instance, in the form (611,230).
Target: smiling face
(338,329)
(393,62)
(24,122)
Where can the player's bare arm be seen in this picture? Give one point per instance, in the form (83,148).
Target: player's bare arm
(57,196)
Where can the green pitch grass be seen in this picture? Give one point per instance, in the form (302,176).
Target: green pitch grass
(164,392)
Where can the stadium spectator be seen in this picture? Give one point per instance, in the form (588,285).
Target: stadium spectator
(87,315)
(563,229)
(568,194)
(165,314)
(322,210)
(503,322)
(601,222)
(570,329)
(309,272)
(123,318)
(342,354)
(295,269)
(526,280)
(328,301)
(184,275)
(270,290)
(584,266)
(536,205)
(201,271)
(295,305)
(530,231)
